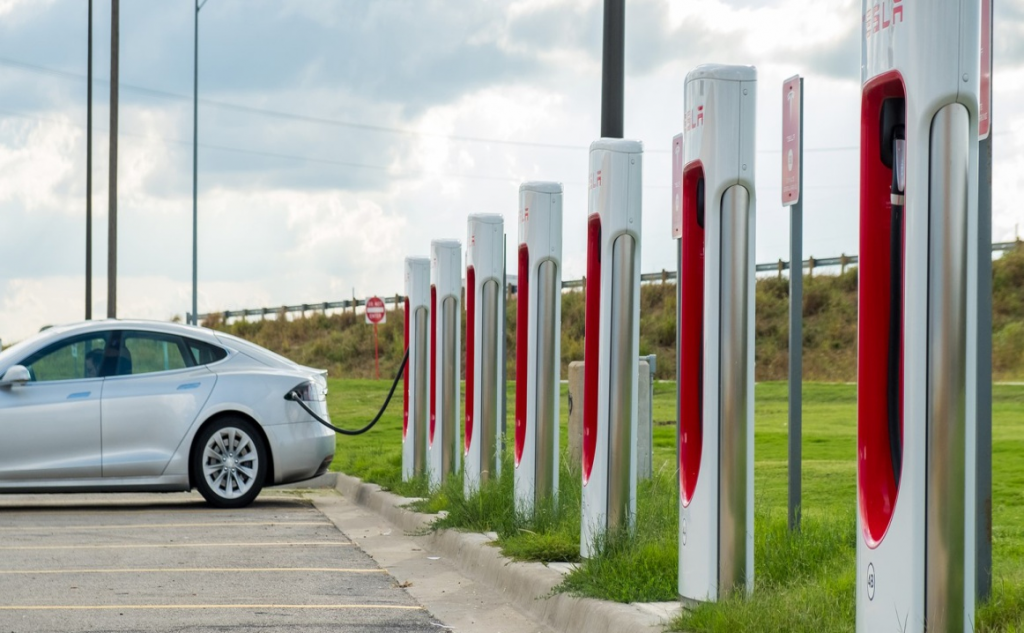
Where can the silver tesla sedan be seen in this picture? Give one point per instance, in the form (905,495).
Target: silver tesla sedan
(145,406)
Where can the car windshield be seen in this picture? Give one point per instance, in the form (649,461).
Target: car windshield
(16,350)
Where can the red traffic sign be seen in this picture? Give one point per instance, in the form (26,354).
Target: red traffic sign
(375,310)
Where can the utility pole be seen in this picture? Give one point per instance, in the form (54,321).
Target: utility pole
(88,181)
(194,320)
(112,195)
(613,68)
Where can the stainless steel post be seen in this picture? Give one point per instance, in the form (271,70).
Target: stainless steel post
(449,386)
(419,396)
(735,281)
(620,401)
(547,382)
(489,357)
(947,359)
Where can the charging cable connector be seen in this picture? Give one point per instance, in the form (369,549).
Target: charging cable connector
(899,172)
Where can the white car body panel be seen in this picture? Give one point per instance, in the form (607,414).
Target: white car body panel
(65,421)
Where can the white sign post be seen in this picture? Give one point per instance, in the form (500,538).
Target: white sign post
(792,188)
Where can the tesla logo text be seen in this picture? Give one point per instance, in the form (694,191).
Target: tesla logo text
(595,180)
(882,16)
(691,123)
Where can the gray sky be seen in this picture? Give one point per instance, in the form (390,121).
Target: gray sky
(338,136)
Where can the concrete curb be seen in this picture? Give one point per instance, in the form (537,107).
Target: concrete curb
(326,480)
(527,585)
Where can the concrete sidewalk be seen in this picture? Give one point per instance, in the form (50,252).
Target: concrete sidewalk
(525,586)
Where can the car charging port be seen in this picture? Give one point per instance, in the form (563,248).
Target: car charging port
(306,392)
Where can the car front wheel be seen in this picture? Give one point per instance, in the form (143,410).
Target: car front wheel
(229,463)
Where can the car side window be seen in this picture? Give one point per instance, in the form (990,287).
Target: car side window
(150,352)
(204,353)
(71,359)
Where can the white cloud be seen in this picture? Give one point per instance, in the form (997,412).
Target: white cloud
(35,162)
(275,230)
(9,8)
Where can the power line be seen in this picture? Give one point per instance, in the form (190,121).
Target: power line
(278,155)
(366,127)
(304,118)
(336,163)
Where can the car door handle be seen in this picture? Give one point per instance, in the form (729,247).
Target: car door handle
(79,395)
(188,385)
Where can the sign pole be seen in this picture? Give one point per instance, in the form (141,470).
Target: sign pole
(792,196)
(983,464)
(376,312)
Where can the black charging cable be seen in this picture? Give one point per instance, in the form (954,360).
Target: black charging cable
(701,213)
(898,200)
(293,395)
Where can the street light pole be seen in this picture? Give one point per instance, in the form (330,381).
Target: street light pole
(88,182)
(195,170)
(115,35)
(613,69)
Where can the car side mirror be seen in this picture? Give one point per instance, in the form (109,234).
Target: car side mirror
(16,375)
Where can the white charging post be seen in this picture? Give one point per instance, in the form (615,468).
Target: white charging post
(443,443)
(918,335)
(416,384)
(716,334)
(538,344)
(485,331)
(612,344)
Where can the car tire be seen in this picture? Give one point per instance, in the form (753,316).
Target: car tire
(229,462)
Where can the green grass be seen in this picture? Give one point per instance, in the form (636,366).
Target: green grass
(344,344)
(803,582)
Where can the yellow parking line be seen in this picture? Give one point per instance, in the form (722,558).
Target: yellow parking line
(187,507)
(171,545)
(150,607)
(178,570)
(55,528)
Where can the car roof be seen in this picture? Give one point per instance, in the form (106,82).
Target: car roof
(56,332)
(166,327)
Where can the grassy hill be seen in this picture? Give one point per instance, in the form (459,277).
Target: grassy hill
(343,343)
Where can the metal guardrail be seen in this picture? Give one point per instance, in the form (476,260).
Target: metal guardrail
(666,275)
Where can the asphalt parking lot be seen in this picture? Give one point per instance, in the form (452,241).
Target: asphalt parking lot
(171,563)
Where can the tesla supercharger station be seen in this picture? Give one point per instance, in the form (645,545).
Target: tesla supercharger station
(538,344)
(612,340)
(443,454)
(485,332)
(416,385)
(917,329)
(716,334)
